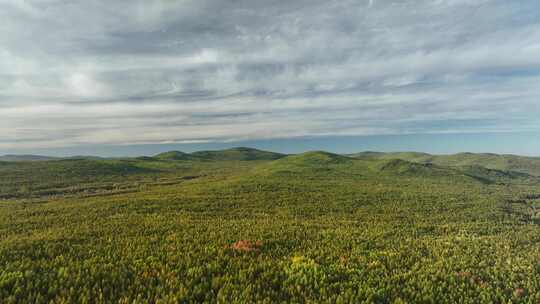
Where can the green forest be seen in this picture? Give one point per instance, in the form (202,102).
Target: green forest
(249,226)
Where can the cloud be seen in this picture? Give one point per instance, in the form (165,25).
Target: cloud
(82,85)
(117,72)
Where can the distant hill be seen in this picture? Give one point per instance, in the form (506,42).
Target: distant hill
(233,154)
(404,167)
(173,155)
(87,157)
(410,156)
(240,153)
(145,158)
(314,158)
(28,157)
(474,164)
(73,169)
(311,163)
(492,175)
(400,167)
(518,164)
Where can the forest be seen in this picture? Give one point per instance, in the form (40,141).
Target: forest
(250,226)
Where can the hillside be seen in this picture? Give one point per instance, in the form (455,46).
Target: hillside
(409,156)
(403,167)
(314,164)
(313,158)
(235,154)
(173,155)
(521,164)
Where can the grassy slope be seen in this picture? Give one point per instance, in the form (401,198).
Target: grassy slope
(333,229)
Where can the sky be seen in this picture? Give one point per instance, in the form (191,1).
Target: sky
(138,77)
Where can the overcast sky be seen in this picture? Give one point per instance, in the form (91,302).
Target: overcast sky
(82,73)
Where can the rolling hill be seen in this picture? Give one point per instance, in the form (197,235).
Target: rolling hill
(233,154)
(313,163)
(236,154)
(520,164)
(313,158)
(403,167)
(27,157)
(313,227)
(173,155)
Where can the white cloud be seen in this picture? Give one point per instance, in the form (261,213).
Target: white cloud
(188,71)
(82,85)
